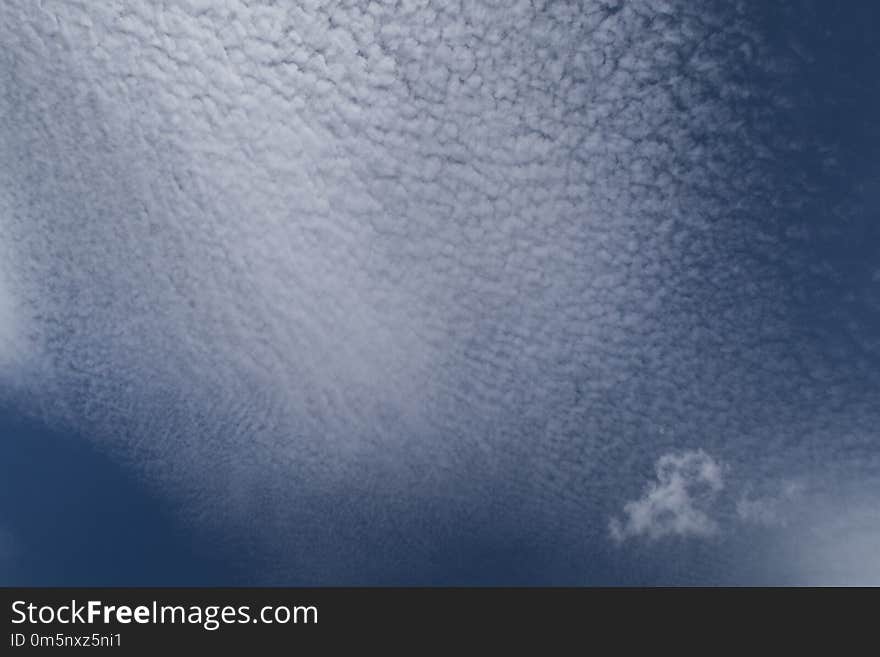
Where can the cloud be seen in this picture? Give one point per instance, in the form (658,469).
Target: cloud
(322,266)
(690,497)
(301,250)
(10,322)
(678,503)
(7,326)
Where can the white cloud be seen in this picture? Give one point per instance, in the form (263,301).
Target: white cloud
(281,251)
(678,503)
(11,343)
(7,327)
(8,321)
(312,247)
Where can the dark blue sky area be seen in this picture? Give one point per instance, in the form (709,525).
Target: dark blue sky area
(74,517)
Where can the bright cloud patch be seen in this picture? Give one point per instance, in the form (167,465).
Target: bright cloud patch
(678,503)
(8,329)
(5,322)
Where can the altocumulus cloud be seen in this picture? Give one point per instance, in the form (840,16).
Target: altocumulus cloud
(10,338)
(6,324)
(374,287)
(679,503)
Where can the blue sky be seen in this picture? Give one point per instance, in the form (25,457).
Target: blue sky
(333,293)
(73,517)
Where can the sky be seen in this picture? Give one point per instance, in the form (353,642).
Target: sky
(336,292)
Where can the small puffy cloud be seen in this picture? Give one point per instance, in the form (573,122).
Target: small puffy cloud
(678,503)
